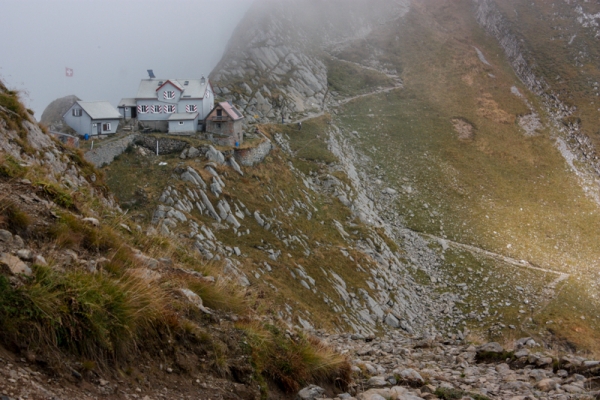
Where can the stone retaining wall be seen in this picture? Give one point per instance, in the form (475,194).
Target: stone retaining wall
(104,155)
(255,155)
(165,145)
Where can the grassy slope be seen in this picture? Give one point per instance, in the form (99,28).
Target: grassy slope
(274,179)
(566,54)
(498,189)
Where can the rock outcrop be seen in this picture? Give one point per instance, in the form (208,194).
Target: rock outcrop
(53,113)
(273,65)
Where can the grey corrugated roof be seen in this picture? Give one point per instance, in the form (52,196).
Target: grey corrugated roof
(194,89)
(127,102)
(99,109)
(183,116)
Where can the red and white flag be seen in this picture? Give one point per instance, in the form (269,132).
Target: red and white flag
(69,72)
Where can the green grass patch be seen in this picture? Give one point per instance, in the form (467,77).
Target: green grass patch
(349,79)
(57,194)
(309,143)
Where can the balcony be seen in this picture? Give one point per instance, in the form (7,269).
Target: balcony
(218,118)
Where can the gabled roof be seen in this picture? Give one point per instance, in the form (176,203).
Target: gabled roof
(230,109)
(194,89)
(172,82)
(182,116)
(99,109)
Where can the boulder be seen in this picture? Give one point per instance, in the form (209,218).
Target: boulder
(492,347)
(25,255)
(215,155)
(92,221)
(193,152)
(546,385)
(5,236)
(411,377)
(14,265)
(377,381)
(235,166)
(311,392)
(195,300)
(392,321)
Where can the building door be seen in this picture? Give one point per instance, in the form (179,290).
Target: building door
(99,128)
(133,112)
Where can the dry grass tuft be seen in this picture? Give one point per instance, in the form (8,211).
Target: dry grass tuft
(96,316)
(292,361)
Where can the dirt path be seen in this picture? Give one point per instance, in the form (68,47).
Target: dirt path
(347,100)
(508,260)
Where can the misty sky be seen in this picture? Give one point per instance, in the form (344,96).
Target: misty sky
(109,44)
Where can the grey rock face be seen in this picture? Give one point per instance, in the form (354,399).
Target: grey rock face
(215,156)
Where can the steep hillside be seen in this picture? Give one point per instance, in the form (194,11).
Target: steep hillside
(91,306)
(458,124)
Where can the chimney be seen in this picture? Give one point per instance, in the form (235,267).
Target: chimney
(203,80)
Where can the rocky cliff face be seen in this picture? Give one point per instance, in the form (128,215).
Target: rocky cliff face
(274,62)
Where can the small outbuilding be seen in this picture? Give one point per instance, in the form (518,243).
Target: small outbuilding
(128,108)
(92,118)
(226,121)
(183,123)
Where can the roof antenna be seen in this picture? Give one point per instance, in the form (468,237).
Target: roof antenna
(151,74)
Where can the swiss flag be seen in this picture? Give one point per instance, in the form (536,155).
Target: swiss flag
(69,72)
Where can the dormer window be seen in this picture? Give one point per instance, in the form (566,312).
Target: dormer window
(160,83)
(186,83)
(169,94)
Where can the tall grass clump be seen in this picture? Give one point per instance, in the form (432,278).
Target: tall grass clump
(219,295)
(10,167)
(291,362)
(90,315)
(72,232)
(13,218)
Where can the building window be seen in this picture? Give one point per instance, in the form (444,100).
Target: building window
(77,112)
(142,109)
(169,94)
(156,109)
(105,127)
(191,108)
(219,113)
(180,122)
(218,125)
(170,108)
